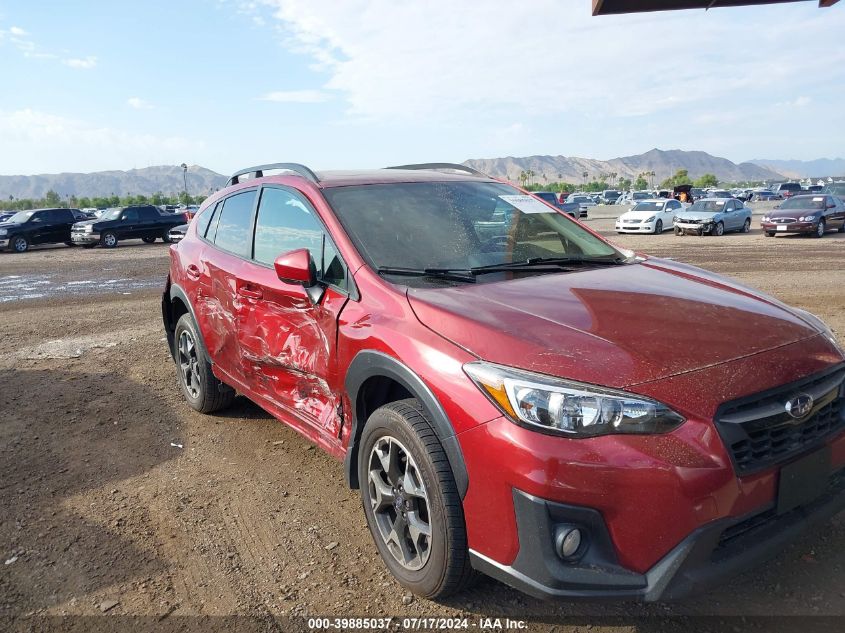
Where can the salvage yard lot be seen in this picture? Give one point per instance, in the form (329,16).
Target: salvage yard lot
(113,490)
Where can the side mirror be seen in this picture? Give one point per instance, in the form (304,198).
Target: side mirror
(296,267)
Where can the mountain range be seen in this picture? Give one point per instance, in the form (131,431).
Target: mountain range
(664,163)
(168,179)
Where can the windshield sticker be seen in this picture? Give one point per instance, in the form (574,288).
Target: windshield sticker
(526,204)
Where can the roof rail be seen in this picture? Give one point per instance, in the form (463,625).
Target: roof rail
(435,166)
(258,172)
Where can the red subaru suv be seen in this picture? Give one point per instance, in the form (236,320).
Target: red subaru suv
(510,392)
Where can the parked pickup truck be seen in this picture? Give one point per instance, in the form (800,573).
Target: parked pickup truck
(144,222)
(37,226)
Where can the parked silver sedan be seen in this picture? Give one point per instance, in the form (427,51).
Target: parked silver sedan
(713,216)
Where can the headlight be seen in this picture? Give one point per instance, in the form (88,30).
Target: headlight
(809,218)
(562,407)
(3,232)
(89,228)
(676,219)
(651,219)
(765,218)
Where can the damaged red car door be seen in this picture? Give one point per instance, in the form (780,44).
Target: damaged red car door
(287,339)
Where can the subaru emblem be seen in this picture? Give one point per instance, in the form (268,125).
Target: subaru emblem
(800,406)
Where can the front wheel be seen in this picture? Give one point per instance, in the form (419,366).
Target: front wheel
(202,390)
(148,240)
(678,231)
(108,239)
(19,244)
(658,227)
(770,233)
(411,501)
(718,230)
(821,227)
(747,226)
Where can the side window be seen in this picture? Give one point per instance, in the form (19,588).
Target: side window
(39,217)
(148,213)
(130,215)
(234,228)
(204,219)
(287,222)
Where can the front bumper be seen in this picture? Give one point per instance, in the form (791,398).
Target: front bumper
(791,227)
(635,228)
(696,229)
(85,238)
(706,558)
(4,242)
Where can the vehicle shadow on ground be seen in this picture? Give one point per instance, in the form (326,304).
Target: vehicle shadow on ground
(61,437)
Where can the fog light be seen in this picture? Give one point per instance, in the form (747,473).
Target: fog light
(567,541)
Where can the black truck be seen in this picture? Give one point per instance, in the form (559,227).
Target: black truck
(38,226)
(144,222)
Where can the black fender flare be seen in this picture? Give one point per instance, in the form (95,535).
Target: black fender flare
(176,292)
(369,363)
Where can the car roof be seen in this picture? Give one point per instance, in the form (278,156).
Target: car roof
(715,199)
(345,178)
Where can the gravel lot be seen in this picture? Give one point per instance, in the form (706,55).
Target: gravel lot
(117,498)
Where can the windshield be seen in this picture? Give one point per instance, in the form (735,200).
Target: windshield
(457,225)
(707,206)
(20,217)
(640,196)
(804,202)
(649,206)
(111,214)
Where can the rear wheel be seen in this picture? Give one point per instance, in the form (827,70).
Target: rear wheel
(658,227)
(821,227)
(202,390)
(411,501)
(19,244)
(108,239)
(148,240)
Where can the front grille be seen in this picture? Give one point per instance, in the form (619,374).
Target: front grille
(747,533)
(685,221)
(784,220)
(759,433)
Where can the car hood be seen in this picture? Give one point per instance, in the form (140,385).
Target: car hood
(639,215)
(698,215)
(617,326)
(87,222)
(8,225)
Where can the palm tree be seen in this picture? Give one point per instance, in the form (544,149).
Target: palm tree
(523,178)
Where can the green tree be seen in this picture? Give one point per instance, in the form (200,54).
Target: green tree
(640,183)
(624,184)
(52,199)
(707,180)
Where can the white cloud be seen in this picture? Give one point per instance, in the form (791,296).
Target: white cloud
(17,31)
(139,104)
(295,96)
(424,61)
(37,142)
(83,63)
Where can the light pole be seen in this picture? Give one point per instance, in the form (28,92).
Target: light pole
(185,176)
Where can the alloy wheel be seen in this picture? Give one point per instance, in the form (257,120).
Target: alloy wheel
(820,228)
(109,240)
(19,244)
(399,502)
(189,364)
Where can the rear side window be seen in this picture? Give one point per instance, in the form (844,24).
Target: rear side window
(234,228)
(287,222)
(204,218)
(148,213)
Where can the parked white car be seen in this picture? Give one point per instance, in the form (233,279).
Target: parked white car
(649,216)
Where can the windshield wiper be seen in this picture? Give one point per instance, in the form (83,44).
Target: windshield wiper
(552,263)
(438,273)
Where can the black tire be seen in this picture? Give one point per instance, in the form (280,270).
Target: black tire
(821,227)
(108,239)
(718,230)
(71,244)
(446,568)
(678,231)
(841,229)
(746,228)
(770,233)
(19,244)
(658,227)
(203,391)
(89,245)
(164,236)
(148,240)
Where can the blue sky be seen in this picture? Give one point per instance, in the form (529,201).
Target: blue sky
(365,83)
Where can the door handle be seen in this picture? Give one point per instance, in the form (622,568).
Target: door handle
(192,272)
(250,292)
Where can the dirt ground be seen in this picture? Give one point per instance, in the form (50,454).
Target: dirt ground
(116,498)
